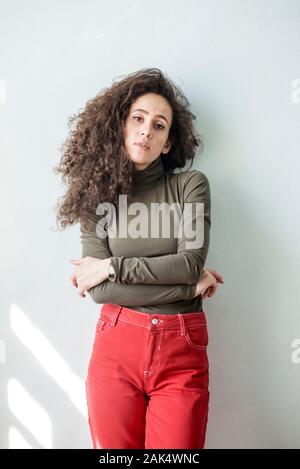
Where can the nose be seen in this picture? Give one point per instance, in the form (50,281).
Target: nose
(146,133)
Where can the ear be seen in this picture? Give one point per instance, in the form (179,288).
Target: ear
(167,147)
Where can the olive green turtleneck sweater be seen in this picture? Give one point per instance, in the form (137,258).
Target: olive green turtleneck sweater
(156,273)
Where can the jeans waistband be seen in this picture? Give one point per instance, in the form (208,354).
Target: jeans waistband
(155,320)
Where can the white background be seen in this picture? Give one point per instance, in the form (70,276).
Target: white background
(237,62)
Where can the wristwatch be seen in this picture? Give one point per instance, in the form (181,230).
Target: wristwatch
(111,273)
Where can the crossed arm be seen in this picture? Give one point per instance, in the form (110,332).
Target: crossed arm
(157,280)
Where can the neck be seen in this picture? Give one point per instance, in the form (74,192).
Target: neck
(149,176)
(140,167)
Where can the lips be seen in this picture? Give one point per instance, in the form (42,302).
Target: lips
(143,145)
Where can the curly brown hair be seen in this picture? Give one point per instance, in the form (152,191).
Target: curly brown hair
(94,162)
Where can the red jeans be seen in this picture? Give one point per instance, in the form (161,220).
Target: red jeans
(147,380)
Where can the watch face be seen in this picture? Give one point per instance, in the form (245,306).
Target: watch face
(111,272)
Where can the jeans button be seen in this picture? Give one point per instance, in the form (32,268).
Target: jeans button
(155,321)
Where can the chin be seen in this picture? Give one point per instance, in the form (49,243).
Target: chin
(138,159)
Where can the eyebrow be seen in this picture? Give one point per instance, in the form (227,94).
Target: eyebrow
(156,115)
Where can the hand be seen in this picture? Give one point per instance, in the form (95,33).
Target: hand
(208,283)
(210,291)
(89,272)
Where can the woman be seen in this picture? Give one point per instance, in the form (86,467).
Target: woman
(147,380)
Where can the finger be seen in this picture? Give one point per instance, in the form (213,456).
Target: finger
(81,293)
(204,294)
(74,281)
(217,275)
(81,290)
(214,280)
(75,261)
(212,291)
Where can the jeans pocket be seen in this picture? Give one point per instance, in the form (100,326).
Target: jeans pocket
(197,336)
(104,325)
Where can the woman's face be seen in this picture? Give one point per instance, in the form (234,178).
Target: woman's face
(149,121)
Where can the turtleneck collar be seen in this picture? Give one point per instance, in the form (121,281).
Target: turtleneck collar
(150,176)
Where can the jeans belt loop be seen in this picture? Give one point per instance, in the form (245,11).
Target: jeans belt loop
(116,315)
(182,324)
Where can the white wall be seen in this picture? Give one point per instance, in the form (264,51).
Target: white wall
(237,62)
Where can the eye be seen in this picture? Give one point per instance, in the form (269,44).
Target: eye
(158,125)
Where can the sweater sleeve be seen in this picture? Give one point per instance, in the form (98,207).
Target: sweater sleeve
(127,295)
(186,266)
